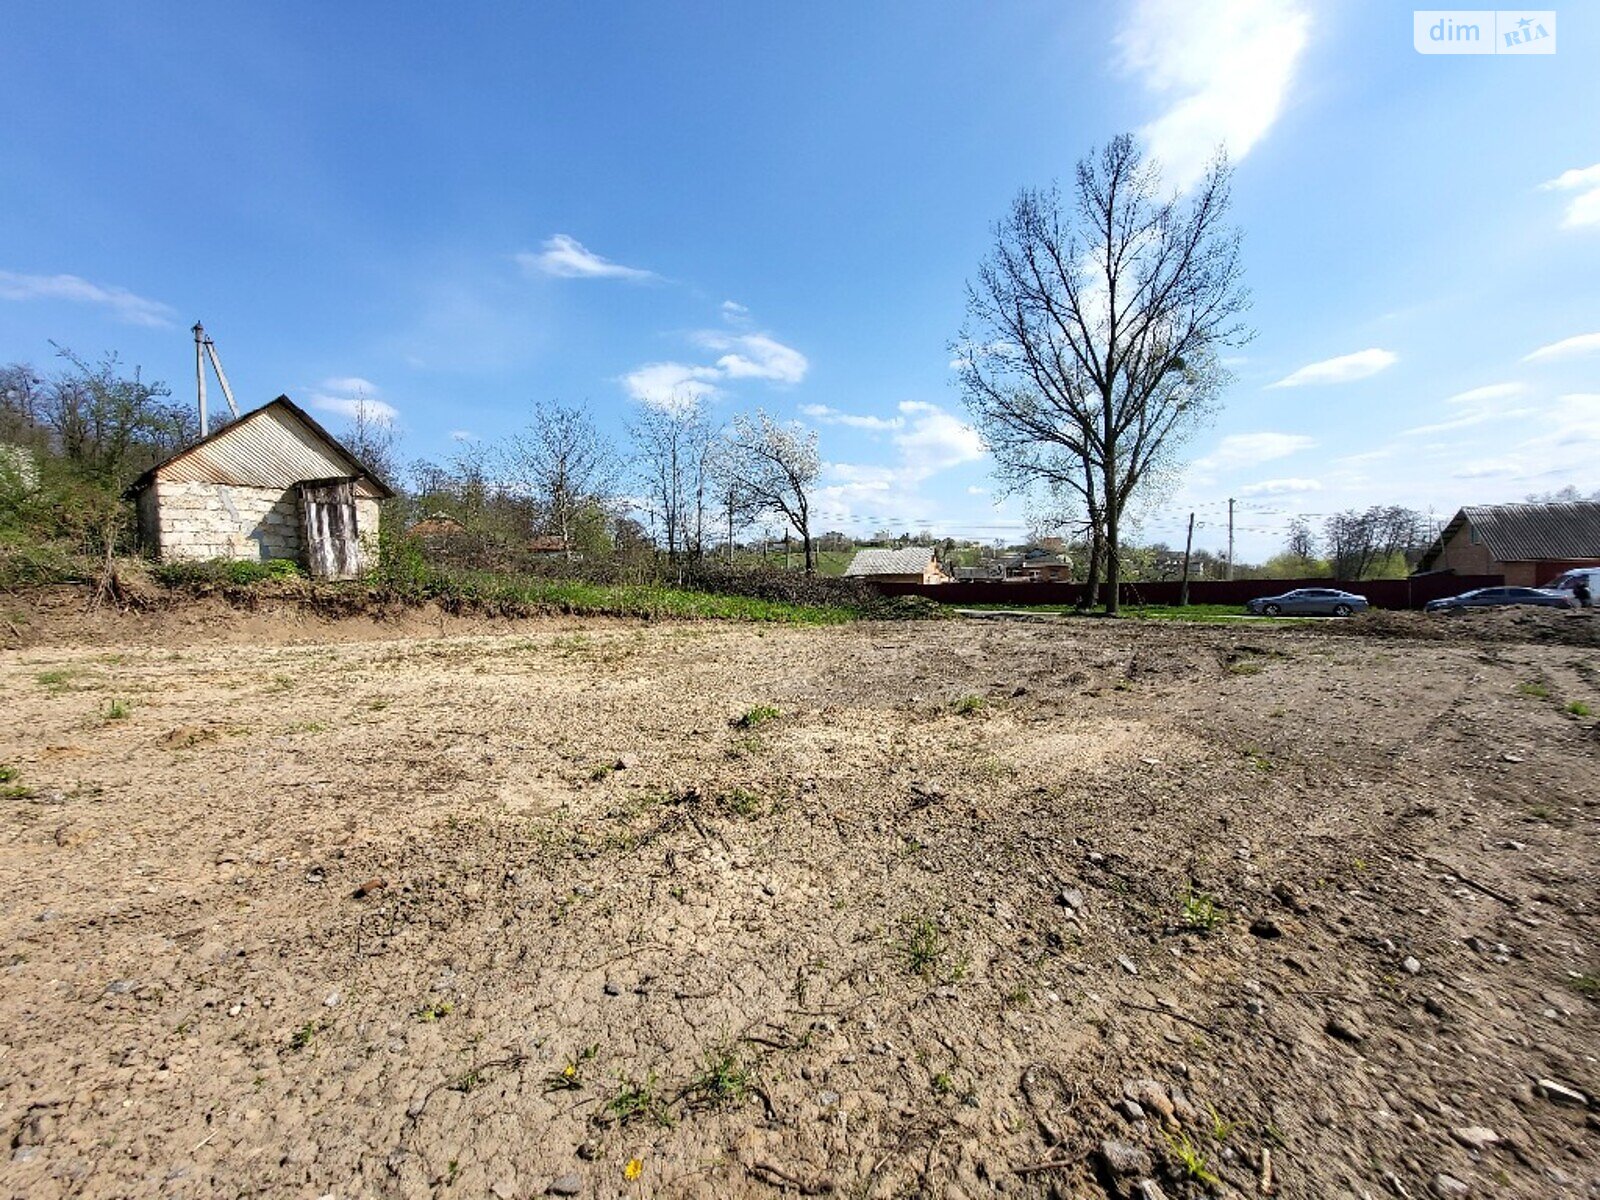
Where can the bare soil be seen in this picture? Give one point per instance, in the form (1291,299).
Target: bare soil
(415,907)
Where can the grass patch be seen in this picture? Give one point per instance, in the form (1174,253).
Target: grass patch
(969,705)
(742,803)
(117,710)
(1191,1159)
(1535,689)
(924,951)
(638,1100)
(1200,912)
(55,682)
(1578,708)
(759,715)
(437,1011)
(722,1081)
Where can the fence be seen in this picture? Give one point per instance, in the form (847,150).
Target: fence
(1380,593)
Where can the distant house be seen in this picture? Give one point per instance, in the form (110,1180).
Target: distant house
(1530,544)
(1040,564)
(914,564)
(437,527)
(272,485)
(547,544)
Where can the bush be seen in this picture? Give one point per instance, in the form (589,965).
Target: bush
(230,572)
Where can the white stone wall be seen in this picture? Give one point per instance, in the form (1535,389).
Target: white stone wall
(211,520)
(198,521)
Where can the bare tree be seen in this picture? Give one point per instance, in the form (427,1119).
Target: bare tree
(563,464)
(1302,543)
(110,426)
(371,437)
(1090,348)
(774,466)
(673,447)
(1362,541)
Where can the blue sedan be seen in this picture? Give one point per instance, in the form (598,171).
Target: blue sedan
(1498,597)
(1308,602)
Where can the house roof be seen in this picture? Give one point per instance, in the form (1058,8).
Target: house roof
(1526,532)
(245,454)
(913,560)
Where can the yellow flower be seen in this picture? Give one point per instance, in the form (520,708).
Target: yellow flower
(570,1071)
(633,1170)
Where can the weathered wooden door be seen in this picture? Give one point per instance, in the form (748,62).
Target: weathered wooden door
(328,524)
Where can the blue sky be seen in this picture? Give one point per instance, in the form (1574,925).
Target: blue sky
(456,210)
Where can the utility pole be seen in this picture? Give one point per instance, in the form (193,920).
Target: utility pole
(1230,537)
(1188,545)
(204,346)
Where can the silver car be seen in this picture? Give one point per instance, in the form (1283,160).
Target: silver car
(1309,602)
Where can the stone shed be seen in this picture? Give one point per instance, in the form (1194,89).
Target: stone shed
(272,485)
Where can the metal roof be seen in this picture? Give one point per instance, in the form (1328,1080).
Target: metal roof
(276,446)
(1527,532)
(913,560)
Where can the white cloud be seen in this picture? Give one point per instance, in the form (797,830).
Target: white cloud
(1583,343)
(463,435)
(1344,369)
(567,258)
(935,440)
(1224,68)
(1281,487)
(929,440)
(735,313)
(350,395)
(755,356)
(124,305)
(1583,210)
(1250,449)
(832,416)
(742,356)
(975,490)
(1492,391)
(667,384)
(1466,420)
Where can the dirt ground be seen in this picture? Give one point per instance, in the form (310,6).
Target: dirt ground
(428,907)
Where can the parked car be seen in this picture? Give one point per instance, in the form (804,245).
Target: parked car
(1499,597)
(1309,602)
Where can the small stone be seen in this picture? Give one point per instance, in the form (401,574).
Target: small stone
(1411,966)
(1127,964)
(1448,1186)
(1476,1137)
(1148,1189)
(505,1189)
(1070,898)
(625,762)
(1509,757)
(1289,896)
(1345,1028)
(1131,1109)
(827,1099)
(613,988)
(1097,858)
(1434,1007)
(333,999)
(1124,1158)
(1560,1093)
(569,1184)
(1265,927)
(119,987)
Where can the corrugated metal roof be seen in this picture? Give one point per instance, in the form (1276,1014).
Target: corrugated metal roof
(275,446)
(913,560)
(1520,532)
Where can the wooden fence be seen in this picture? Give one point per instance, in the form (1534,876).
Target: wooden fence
(1380,593)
